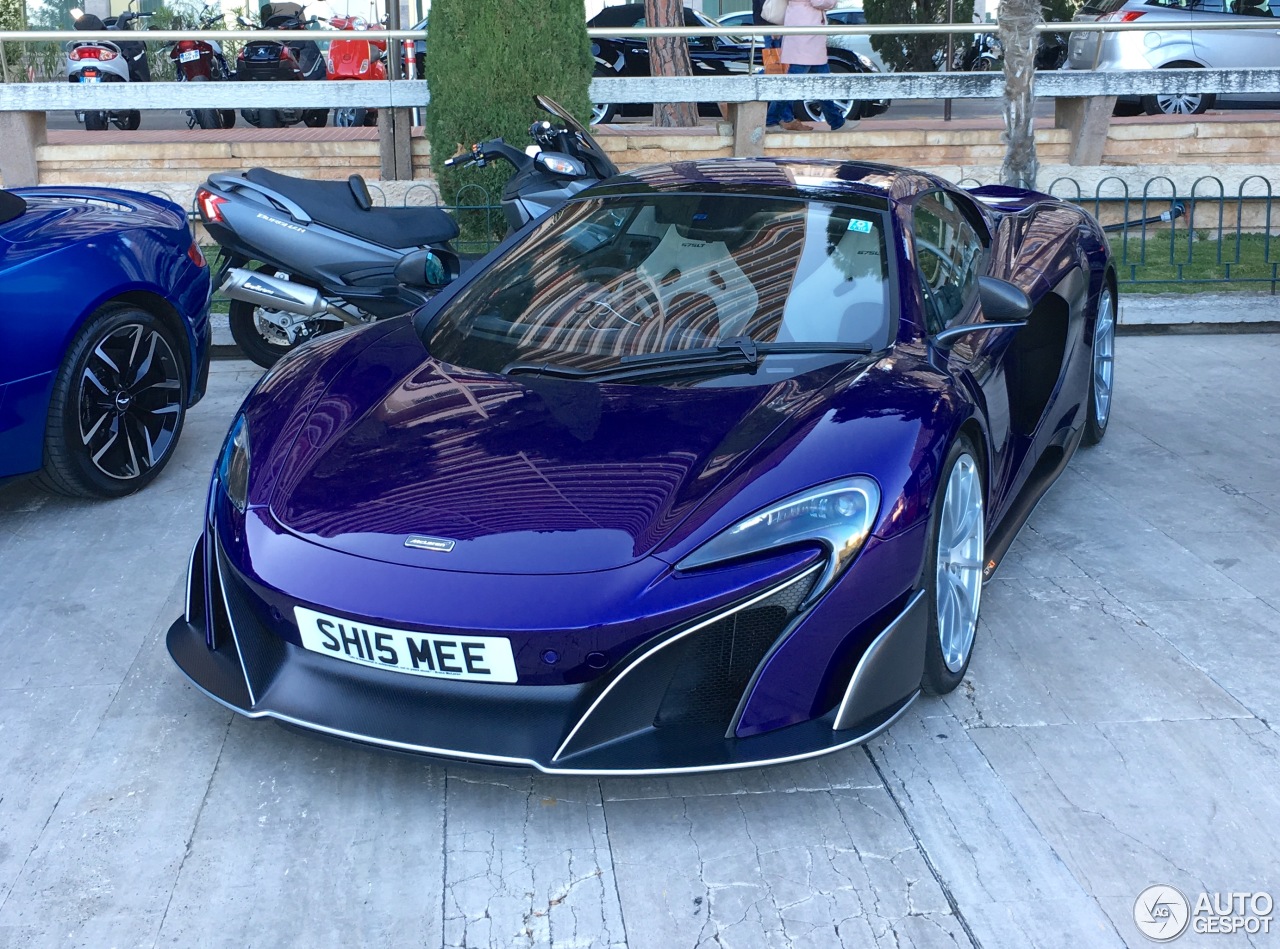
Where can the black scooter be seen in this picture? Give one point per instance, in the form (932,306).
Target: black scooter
(330,258)
(291,61)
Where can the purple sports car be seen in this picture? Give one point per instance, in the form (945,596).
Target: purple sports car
(704,470)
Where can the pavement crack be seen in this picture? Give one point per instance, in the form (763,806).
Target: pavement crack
(195,826)
(924,854)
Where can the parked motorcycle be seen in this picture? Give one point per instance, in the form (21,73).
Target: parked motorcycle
(291,61)
(97,61)
(331,259)
(1051,51)
(983,54)
(202,61)
(356,58)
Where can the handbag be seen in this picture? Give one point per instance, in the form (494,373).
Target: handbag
(774,11)
(771,56)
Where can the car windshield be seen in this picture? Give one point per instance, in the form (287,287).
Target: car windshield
(608,282)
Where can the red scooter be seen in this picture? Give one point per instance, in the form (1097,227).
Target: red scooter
(202,61)
(356,58)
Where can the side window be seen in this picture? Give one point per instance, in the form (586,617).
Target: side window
(949,257)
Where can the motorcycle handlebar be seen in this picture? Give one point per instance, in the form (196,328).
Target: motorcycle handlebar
(483,152)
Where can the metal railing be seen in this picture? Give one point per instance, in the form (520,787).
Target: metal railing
(1203,236)
(726,88)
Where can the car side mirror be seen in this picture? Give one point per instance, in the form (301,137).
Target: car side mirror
(1004,306)
(1002,302)
(427,269)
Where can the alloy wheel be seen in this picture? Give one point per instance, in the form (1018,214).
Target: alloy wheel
(1179,104)
(1104,338)
(130,402)
(958,570)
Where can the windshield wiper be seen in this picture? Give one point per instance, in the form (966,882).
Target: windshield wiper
(735,352)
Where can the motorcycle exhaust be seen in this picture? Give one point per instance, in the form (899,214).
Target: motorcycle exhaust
(276,294)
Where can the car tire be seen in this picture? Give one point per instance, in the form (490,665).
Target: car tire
(953,569)
(1102,368)
(1126,110)
(95,121)
(119,402)
(350,117)
(810,110)
(1182,103)
(603,113)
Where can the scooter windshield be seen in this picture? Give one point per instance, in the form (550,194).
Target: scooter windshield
(550,106)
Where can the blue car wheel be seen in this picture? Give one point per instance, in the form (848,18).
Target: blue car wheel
(118,405)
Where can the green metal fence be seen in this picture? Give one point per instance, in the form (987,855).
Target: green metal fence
(1206,238)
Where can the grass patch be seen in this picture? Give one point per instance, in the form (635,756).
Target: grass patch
(1176,263)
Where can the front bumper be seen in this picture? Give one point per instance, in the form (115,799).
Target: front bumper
(670,706)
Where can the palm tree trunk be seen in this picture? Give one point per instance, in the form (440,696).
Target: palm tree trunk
(1018,19)
(669,56)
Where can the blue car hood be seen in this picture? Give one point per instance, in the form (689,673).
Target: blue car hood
(522,475)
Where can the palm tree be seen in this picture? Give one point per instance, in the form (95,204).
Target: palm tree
(1018,20)
(669,56)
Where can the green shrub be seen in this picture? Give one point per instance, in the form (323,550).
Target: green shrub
(485,62)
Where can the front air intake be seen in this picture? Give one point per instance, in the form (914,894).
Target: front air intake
(696,677)
(719,661)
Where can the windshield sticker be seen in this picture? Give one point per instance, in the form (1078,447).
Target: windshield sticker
(862,227)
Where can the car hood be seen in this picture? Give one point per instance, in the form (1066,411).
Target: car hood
(404,456)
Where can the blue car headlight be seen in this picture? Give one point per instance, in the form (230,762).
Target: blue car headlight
(233,466)
(837,516)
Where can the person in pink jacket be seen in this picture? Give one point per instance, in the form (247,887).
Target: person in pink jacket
(805,54)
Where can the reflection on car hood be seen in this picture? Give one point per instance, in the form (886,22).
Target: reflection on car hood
(58,216)
(524,475)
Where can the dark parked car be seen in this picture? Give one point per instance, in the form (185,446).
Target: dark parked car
(709,55)
(104,336)
(705,470)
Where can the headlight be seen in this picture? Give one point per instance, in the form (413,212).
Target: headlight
(838,516)
(233,467)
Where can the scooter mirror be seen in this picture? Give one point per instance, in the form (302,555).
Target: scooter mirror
(427,269)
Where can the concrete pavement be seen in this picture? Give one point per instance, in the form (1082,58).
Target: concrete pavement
(1117,729)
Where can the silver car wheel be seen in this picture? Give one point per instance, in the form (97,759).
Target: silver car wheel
(1178,104)
(958,573)
(1104,339)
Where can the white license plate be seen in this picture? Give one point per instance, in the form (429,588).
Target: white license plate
(88,78)
(474,658)
(190,56)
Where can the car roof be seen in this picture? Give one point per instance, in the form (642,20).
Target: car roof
(774,176)
(629,14)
